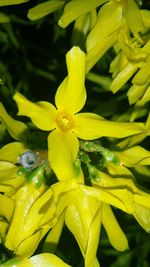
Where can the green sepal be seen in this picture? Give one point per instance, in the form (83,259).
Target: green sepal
(37,177)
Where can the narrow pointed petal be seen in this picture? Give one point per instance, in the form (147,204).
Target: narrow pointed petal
(12,151)
(71,94)
(85,229)
(75,9)
(93,239)
(12,2)
(99,39)
(41,113)
(90,126)
(133,17)
(28,246)
(53,236)
(16,129)
(43,9)
(62,151)
(6,207)
(115,234)
(142,215)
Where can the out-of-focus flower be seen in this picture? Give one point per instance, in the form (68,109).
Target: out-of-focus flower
(40,260)
(72,9)
(132,60)
(12,2)
(65,121)
(115,16)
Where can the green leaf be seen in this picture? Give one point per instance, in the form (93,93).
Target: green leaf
(11,2)
(4,18)
(44,9)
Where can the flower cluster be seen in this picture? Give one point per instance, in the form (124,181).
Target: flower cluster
(36,207)
(69,167)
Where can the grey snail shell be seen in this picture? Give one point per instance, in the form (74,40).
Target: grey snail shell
(32,159)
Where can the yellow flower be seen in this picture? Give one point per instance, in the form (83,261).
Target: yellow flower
(114,16)
(25,218)
(81,200)
(43,259)
(66,123)
(123,194)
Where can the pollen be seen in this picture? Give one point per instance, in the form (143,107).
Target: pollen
(65,121)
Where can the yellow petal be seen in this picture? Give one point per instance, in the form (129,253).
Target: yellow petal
(80,226)
(12,151)
(8,171)
(135,92)
(40,260)
(3,229)
(41,212)
(6,206)
(134,156)
(95,53)
(53,237)
(142,215)
(12,2)
(16,129)
(115,234)
(142,76)
(71,94)
(146,96)
(76,8)
(123,76)
(47,260)
(90,126)
(62,151)
(99,39)
(133,17)
(44,9)
(27,247)
(10,186)
(146,17)
(24,199)
(93,240)
(41,113)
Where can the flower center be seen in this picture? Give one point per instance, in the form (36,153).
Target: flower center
(64,121)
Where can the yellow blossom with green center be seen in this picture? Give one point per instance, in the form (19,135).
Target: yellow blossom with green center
(64,121)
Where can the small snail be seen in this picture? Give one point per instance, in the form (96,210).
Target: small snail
(32,159)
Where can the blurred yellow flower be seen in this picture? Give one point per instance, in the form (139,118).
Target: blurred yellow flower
(39,260)
(115,16)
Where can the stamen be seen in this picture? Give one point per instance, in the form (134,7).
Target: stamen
(65,121)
